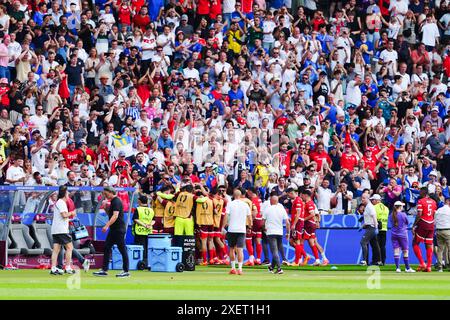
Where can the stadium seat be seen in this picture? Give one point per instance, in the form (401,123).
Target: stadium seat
(20,234)
(41,233)
(12,247)
(83,251)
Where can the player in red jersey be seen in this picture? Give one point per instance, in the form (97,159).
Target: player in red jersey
(220,204)
(258,223)
(423,229)
(311,226)
(297,225)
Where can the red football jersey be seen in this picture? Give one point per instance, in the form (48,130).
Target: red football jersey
(375,149)
(428,208)
(297,204)
(310,208)
(257,203)
(320,158)
(370,164)
(348,161)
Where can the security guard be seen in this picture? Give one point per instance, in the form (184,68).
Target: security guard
(382,217)
(143,221)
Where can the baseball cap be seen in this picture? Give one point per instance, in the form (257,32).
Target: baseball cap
(435,109)
(70,141)
(375,197)
(433,173)
(398,203)
(258,63)
(110,189)
(235,81)
(208,165)
(184,17)
(121,153)
(83,141)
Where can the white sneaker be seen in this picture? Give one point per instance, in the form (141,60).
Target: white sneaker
(363,263)
(70,271)
(410,270)
(398,270)
(316,263)
(57,271)
(86,265)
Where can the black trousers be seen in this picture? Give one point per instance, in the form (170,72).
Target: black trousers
(382,243)
(370,237)
(115,238)
(276,246)
(265,246)
(142,240)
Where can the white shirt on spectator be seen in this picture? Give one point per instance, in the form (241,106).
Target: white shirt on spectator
(274,216)
(60,225)
(430,33)
(237,212)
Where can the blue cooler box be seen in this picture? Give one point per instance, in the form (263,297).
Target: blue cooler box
(166,259)
(135,254)
(161,240)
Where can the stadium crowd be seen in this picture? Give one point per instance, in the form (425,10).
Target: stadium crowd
(330,99)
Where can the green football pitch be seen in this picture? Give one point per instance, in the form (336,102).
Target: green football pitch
(214,282)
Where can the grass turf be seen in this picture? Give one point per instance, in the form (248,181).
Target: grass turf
(214,282)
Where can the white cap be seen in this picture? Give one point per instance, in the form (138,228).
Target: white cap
(375,197)
(258,63)
(433,173)
(422,134)
(209,164)
(398,203)
(435,109)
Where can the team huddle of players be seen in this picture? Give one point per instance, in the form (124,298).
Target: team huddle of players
(196,210)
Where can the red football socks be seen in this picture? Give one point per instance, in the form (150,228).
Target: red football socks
(258,250)
(298,252)
(429,256)
(315,252)
(303,252)
(249,245)
(212,254)
(418,253)
(204,256)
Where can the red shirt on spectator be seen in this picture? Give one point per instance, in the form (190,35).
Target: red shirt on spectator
(75,155)
(370,164)
(320,158)
(348,161)
(141,21)
(203,7)
(216,8)
(125,15)
(137,5)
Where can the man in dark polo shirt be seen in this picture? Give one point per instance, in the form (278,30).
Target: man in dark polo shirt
(117,229)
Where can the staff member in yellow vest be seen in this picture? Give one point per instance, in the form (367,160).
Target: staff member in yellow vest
(382,217)
(184,204)
(204,218)
(143,221)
